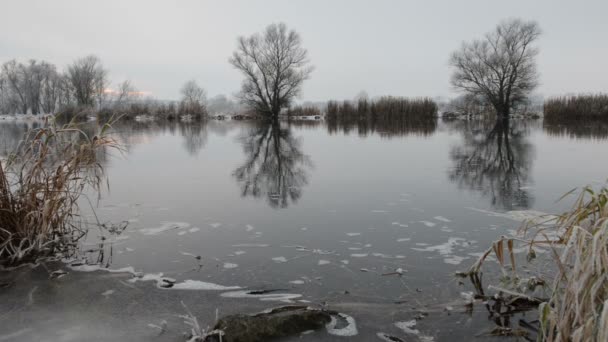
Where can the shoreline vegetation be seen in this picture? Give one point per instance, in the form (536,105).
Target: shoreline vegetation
(41,184)
(573,251)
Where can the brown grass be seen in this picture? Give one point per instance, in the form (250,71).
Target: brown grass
(579,108)
(40,186)
(577,241)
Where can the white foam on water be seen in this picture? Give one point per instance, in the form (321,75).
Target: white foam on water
(428,223)
(355,248)
(215,224)
(194,230)
(239,252)
(349,330)
(378,211)
(323,262)
(345,262)
(279,259)
(403,239)
(353,234)
(249,228)
(297,282)
(181,233)
(230,265)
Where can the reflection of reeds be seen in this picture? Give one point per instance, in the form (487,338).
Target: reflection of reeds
(40,185)
(579,108)
(577,309)
(588,129)
(387,116)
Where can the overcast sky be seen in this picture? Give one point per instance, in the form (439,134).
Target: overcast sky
(383,47)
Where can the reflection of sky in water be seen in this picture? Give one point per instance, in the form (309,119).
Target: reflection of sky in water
(381,216)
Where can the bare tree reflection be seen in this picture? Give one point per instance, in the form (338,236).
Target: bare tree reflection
(496,161)
(275,167)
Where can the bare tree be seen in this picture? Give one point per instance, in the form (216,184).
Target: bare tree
(14,74)
(193,98)
(125,93)
(501,67)
(88,79)
(275,65)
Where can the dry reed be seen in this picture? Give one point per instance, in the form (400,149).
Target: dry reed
(40,187)
(577,241)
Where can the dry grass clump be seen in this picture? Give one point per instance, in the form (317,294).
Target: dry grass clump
(578,107)
(40,185)
(385,108)
(577,309)
(388,116)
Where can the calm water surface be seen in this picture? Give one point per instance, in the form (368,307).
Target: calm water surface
(367,220)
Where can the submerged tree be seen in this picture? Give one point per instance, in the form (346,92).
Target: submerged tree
(274,65)
(501,67)
(275,166)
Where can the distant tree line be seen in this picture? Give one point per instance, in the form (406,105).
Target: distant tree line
(38,87)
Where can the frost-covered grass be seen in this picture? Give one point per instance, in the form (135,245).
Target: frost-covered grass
(40,185)
(577,309)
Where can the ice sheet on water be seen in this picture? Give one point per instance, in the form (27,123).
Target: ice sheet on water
(324,262)
(107,293)
(428,223)
(239,252)
(446,250)
(281,297)
(403,239)
(165,226)
(229,265)
(249,228)
(408,327)
(251,245)
(536,217)
(347,323)
(353,234)
(359,255)
(201,285)
(279,259)
(297,282)
(442,219)
(194,230)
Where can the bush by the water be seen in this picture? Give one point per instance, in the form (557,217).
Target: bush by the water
(40,187)
(578,107)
